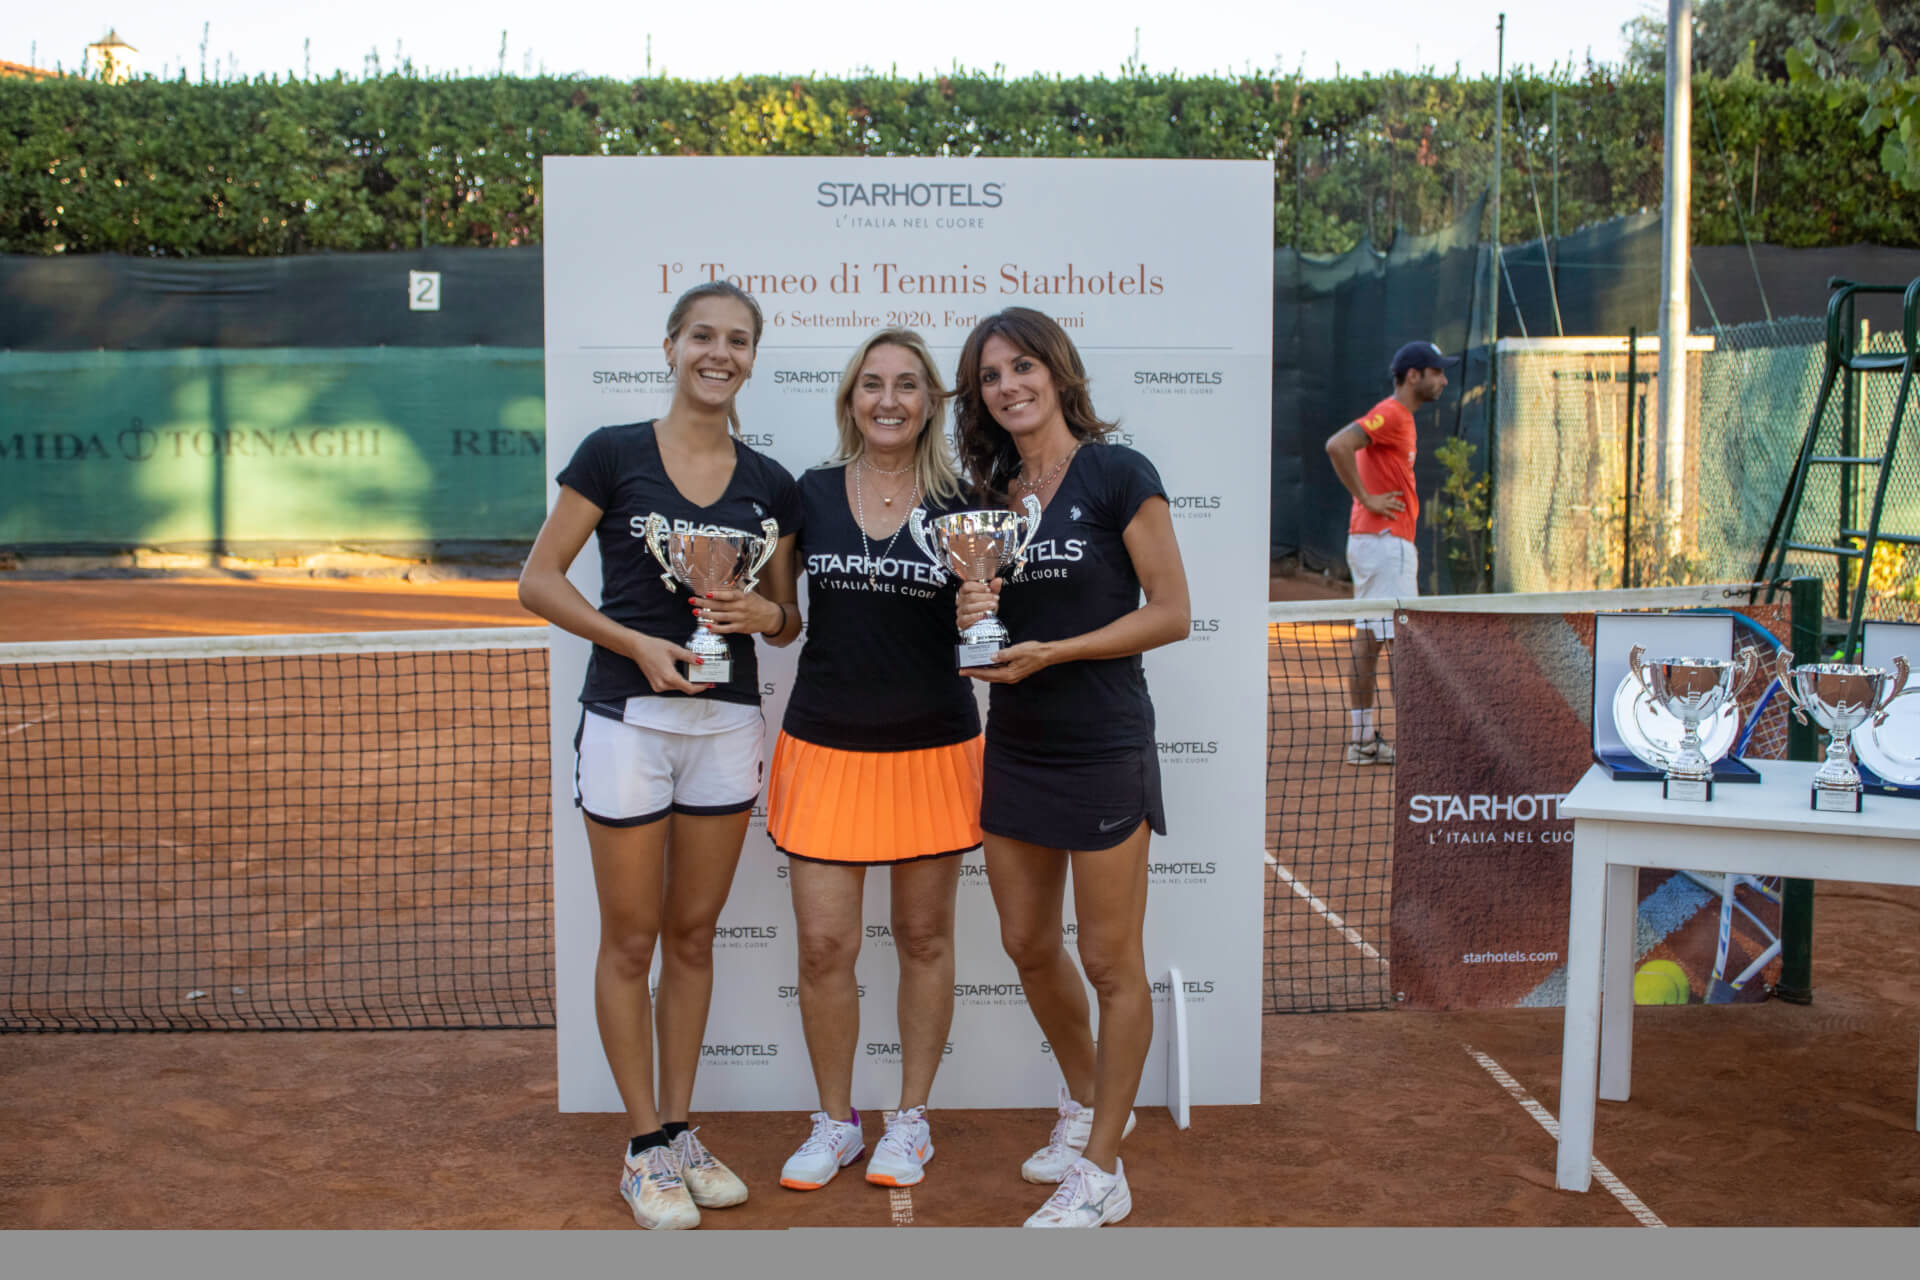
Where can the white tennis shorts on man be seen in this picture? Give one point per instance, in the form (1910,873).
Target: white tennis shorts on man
(1384,566)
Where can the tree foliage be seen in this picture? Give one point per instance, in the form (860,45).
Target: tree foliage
(1855,44)
(273,167)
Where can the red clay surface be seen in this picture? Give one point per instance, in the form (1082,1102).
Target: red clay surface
(1768,1114)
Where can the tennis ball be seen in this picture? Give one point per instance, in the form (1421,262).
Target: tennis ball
(1659,982)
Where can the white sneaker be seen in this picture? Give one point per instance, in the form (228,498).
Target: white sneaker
(1086,1198)
(654,1190)
(1069,1138)
(711,1184)
(831,1147)
(900,1158)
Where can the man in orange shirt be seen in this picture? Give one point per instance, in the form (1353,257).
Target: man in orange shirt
(1374,458)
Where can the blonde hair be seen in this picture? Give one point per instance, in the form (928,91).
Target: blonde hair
(933,463)
(683,307)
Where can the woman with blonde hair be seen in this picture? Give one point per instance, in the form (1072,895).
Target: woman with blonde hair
(878,760)
(667,766)
(1071,772)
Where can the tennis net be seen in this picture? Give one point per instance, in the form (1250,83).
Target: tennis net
(277,832)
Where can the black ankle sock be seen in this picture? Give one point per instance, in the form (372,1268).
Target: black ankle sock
(674,1128)
(641,1141)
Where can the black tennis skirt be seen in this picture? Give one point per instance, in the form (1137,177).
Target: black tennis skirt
(1071,802)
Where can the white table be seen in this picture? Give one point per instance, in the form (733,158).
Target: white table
(1619,827)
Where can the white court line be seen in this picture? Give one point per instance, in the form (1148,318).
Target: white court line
(1332,917)
(1603,1175)
(25,724)
(899,1198)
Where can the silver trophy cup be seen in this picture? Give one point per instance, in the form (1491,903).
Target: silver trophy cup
(976,546)
(1841,698)
(710,558)
(1691,690)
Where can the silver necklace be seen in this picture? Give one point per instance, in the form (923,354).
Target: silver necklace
(1034,486)
(864,465)
(860,520)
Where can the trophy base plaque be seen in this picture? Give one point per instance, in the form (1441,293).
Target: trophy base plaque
(712,671)
(1697,789)
(1831,800)
(980,653)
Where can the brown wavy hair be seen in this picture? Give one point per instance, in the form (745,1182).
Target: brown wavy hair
(987,453)
(677,321)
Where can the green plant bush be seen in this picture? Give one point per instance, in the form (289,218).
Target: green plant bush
(272,167)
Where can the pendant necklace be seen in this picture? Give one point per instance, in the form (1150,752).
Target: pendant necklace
(879,471)
(860,516)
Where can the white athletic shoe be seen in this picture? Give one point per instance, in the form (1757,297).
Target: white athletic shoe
(1069,1138)
(1086,1198)
(711,1184)
(656,1193)
(900,1158)
(831,1147)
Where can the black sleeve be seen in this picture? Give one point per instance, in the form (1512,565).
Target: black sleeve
(1130,479)
(592,472)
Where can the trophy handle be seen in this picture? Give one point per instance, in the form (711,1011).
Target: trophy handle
(655,530)
(923,539)
(1746,662)
(1900,672)
(1031,520)
(769,543)
(1634,655)
(1783,672)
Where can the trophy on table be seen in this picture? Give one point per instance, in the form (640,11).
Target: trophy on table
(1840,697)
(976,546)
(709,558)
(1691,690)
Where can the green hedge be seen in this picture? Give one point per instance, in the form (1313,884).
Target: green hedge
(281,167)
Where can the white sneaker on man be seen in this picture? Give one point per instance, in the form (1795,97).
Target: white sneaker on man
(711,1184)
(900,1157)
(831,1147)
(1064,1145)
(1087,1197)
(653,1188)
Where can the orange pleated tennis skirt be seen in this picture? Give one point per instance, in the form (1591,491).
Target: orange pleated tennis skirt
(873,807)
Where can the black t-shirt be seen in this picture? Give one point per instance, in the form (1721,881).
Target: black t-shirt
(1077,579)
(876,673)
(618,469)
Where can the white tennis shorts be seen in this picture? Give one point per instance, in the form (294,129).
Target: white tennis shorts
(1383,565)
(627,775)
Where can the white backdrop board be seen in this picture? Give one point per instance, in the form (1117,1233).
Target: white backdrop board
(1161,273)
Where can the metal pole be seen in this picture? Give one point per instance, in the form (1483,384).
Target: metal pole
(1796,904)
(1626,506)
(1499,127)
(1675,232)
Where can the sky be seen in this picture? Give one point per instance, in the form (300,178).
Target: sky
(721,39)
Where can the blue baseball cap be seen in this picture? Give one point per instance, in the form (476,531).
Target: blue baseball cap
(1421,355)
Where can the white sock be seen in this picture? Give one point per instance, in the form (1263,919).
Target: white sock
(1362,721)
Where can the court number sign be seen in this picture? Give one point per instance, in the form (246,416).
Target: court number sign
(423,290)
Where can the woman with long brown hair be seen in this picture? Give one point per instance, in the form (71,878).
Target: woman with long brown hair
(1071,780)
(668,766)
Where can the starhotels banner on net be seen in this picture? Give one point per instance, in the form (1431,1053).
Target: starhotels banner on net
(1160,271)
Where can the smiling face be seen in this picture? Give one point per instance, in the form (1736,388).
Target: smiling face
(713,355)
(891,399)
(1017,389)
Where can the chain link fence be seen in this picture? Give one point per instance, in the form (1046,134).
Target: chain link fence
(1581,469)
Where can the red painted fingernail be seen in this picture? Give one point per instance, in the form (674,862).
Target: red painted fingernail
(699,662)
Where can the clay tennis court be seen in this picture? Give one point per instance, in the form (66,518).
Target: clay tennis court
(1768,1114)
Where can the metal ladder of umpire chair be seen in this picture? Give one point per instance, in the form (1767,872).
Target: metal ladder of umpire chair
(1846,368)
